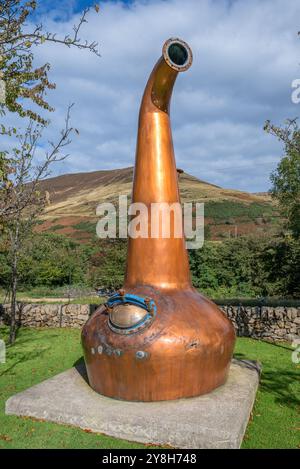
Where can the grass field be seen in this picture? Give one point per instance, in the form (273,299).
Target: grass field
(39,354)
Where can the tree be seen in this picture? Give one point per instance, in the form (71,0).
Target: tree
(21,201)
(47,260)
(286,178)
(24,82)
(22,79)
(107,264)
(248,266)
(51,260)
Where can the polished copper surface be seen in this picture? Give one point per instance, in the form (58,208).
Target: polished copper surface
(186,349)
(126,315)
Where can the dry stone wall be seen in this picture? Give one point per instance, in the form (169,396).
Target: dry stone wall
(48,315)
(263,322)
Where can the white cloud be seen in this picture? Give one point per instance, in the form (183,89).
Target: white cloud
(246,55)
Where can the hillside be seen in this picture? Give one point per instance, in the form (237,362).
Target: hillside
(74,198)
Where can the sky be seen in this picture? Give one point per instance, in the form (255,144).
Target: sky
(246,55)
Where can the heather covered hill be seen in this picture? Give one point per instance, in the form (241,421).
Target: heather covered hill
(74,198)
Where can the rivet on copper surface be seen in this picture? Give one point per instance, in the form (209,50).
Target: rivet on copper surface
(140,354)
(147,303)
(108,351)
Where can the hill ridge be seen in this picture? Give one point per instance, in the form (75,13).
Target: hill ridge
(75,196)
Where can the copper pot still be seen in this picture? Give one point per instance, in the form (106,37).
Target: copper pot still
(158,338)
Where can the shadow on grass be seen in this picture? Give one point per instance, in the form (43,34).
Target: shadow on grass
(22,357)
(28,335)
(279,383)
(283,345)
(17,355)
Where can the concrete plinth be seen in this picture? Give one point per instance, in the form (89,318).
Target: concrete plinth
(215,420)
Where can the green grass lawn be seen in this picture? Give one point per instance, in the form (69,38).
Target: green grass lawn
(39,354)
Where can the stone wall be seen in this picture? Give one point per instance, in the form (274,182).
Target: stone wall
(48,315)
(264,322)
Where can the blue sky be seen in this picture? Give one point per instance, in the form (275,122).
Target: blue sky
(73,6)
(246,54)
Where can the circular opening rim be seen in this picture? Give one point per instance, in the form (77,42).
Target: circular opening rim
(169,61)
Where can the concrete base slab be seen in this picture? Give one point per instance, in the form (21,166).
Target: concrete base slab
(215,420)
